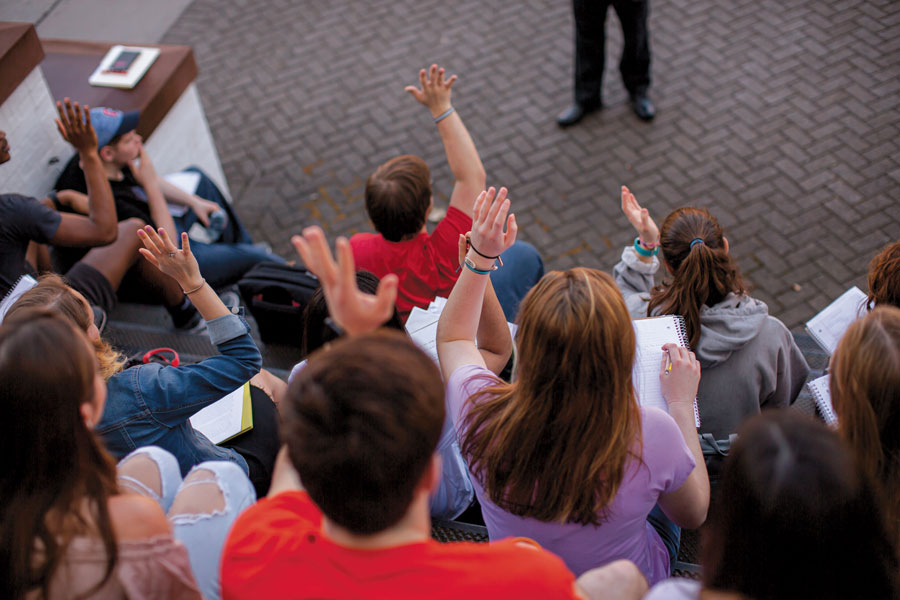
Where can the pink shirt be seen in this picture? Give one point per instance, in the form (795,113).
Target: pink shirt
(667,462)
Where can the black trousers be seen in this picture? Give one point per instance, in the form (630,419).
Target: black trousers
(590,45)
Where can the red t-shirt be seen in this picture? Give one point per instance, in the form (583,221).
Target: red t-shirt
(426,265)
(277,550)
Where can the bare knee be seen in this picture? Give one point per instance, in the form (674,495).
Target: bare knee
(200,494)
(143,469)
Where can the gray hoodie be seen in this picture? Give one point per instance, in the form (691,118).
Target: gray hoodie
(748,359)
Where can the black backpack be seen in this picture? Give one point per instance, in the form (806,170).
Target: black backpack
(714,454)
(277,295)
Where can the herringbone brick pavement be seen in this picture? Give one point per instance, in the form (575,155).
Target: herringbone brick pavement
(781,116)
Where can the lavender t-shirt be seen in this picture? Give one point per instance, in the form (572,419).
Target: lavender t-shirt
(667,462)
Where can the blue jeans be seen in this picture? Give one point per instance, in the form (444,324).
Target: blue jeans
(667,530)
(225,262)
(522,268)
(202,533)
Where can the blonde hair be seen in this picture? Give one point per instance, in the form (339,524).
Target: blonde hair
(52,293)
(554,444)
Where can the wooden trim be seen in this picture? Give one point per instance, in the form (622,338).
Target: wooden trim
(68,64)
(20,53)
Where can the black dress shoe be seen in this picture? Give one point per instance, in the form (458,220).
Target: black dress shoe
(574,114)
(643,108)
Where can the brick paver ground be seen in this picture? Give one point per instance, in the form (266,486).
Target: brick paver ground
(780,116)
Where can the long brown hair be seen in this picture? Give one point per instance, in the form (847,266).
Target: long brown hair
(55,467)
(790,489)
(53,294)
(865,389)
(703,273)
(884,277)
(553,445)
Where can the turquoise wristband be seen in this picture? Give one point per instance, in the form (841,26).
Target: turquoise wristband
(643,251)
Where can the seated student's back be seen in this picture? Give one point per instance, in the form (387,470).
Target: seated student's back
(361,424)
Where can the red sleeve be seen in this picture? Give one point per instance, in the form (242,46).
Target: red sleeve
(539,573)
(444,247)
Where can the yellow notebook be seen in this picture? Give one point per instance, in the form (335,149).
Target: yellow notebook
(227,417)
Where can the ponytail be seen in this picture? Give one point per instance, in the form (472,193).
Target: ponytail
(703,273)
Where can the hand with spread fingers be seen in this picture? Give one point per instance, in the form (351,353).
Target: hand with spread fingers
(639,218)
(434,92)
(74,125)
(180,265)
(488,239)
(354,310)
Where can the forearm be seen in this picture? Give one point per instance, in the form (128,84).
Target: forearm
(460,317)
(462,156)
(683,413)
(205,300)
(159,210)
(101,207)
(494,340)
(175,194)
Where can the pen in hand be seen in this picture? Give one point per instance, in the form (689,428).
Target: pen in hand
(668,362)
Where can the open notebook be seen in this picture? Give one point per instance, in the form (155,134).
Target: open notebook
(821,393)
(227,417)
(828,327)
(651,334)
(422,326)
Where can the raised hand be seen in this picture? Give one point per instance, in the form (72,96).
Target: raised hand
(488,237)
(180,265)
(435,90)
(679,375)
(354,310)
(639,218)
(74,125)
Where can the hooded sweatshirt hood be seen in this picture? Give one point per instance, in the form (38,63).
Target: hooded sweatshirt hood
(728,326)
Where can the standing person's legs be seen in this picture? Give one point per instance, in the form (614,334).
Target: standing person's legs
(150,471)
(590,46)
(522,268)
(635,63)
(212,496)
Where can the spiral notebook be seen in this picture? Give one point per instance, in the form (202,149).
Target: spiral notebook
(651,334)
(23,284)
(828,327)
(821,393)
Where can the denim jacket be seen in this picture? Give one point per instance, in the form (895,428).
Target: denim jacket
(151,404)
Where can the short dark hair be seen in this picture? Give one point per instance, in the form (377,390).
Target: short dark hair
(316,333)
(398,194)
(793,509)
(361,423)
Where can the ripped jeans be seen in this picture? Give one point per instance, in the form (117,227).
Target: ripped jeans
(201,507)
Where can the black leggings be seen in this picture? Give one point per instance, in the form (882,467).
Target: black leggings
(260,445)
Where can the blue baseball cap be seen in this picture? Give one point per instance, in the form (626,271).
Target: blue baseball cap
(110,123)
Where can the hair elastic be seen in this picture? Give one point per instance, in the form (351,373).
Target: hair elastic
(696,241)
(444,115)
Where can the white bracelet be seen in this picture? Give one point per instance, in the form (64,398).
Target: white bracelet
(443,116)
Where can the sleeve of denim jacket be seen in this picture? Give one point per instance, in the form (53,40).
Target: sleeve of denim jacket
(173,394)
(635,280)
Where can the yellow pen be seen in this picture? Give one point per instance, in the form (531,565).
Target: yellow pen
(668,363)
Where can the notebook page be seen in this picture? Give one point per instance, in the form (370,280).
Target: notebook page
(829,326)
(651,334)
(221,419)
